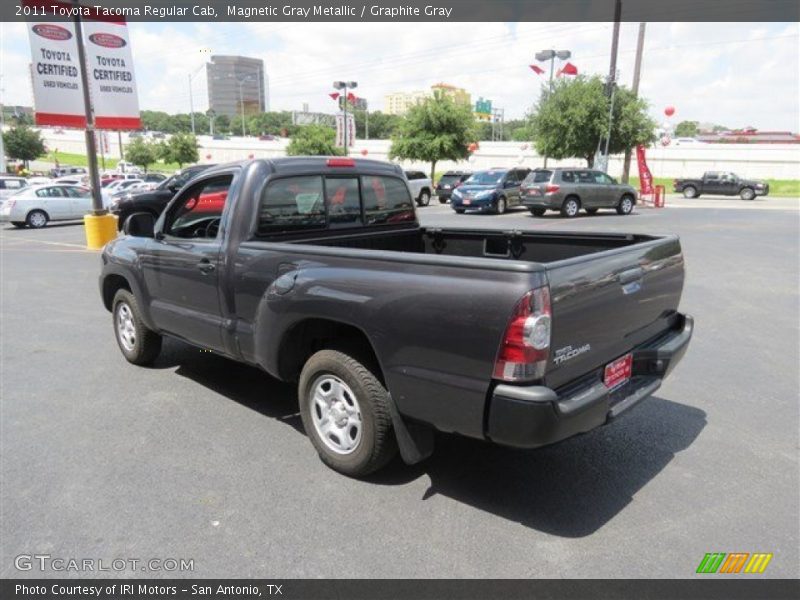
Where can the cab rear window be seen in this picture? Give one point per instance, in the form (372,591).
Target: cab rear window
(386,200)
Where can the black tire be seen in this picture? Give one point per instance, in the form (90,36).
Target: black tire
(377,444)
(459,211)
(690,192)
(537,212)
(626,204)
(591,211)
(18,224)
(37,219)
(747,194)
(442,200)
(570,207)
(146,343)
(500,206)
(424,198)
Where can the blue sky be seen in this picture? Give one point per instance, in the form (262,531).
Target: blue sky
(735,74)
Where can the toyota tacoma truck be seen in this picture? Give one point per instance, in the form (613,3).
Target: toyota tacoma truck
(721,184)
(316,270)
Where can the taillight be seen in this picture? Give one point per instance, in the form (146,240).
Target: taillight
(551,189)
(525,347)
(341,162)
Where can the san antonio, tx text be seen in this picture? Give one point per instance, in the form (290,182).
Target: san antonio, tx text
(130,589)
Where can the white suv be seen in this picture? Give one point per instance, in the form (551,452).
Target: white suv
(421,187)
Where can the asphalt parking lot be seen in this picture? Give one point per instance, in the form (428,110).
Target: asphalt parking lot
(201,458)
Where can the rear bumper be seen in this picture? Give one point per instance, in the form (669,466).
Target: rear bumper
(551,202)
(532,416)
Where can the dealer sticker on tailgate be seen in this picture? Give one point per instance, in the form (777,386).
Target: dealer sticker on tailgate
(618,372)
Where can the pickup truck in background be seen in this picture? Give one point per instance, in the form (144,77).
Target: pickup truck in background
(316,270)
(421,187)
(721,184)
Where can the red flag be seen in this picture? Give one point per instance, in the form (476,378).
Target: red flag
(568,69)
(351,97)
(334,95)
(645,177)
(536,69)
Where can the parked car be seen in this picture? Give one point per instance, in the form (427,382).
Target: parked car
(313,269)
(73,180)
(68,171)
(37,205)
(448,182)
(153,177)
(267,137)
(489,191)
(11,185)
(568,190)
(721,183)
(686,141)
(421,187)
(153,201)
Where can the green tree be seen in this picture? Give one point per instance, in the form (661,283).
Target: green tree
(142,153)
(570,122)
(437,129)
(313,140)
(181,148)
(686,129)
(23,143)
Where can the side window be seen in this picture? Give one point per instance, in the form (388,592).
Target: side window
(567,176)
(386,200)
(511,178)
(49,192)
(600,177)
(585,177)
(343,202)
(196,213)
(292,204)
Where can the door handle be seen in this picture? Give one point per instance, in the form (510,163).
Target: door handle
(206,266)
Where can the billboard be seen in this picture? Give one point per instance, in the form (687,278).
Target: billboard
(55,72)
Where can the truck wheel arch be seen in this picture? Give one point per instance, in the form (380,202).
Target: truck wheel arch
(305,338)
(111,285)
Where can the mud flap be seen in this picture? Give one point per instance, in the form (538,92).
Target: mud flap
(414,440)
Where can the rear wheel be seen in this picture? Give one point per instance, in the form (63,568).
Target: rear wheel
(442,200)
(459,211)
(345,412)
(689,192)
(747,194)
(625,206)
(570,207)
(37,219)
(500,207)
(537,212)
(591,211)
(138,344)
(424,198)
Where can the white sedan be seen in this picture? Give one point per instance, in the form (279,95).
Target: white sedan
(37,205)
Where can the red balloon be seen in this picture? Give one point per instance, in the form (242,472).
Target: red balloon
(669,111)
(472,147)
(251,156)
(364,152)
(208,157)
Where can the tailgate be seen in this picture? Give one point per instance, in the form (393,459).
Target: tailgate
(606,303)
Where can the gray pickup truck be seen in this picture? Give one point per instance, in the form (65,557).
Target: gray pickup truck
(721,184)
(317,271)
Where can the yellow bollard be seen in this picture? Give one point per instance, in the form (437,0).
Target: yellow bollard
(99,230)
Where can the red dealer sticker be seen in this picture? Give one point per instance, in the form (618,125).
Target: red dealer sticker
(107,40)
(618,372)
(52,32)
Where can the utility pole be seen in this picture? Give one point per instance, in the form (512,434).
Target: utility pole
(637,73)
(612,78)
(91,148)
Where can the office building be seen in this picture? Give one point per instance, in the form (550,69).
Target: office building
(236,83)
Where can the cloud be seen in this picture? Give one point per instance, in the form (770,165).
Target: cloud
(731,73)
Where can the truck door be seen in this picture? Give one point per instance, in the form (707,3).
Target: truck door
(181,270)
(711,183)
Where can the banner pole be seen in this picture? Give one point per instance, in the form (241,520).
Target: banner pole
(91,148)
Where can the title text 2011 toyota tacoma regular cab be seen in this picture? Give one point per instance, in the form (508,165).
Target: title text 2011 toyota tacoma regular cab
(316,271)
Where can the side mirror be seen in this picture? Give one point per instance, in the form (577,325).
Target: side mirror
(140,224)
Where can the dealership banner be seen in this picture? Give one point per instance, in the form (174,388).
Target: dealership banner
(645,177)
(348,130)
(55,73)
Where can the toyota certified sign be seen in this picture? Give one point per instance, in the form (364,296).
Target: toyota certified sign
(52,32)
(107,40)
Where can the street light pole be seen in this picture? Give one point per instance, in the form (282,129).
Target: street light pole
(551,55)
(343,85)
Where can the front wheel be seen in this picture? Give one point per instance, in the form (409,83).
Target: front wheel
(424,198)
(625,206)
(139,345)
(500,208)
(459,211)
(689,192)
(747,194)
(345,412)
(537,212)
(442,200)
